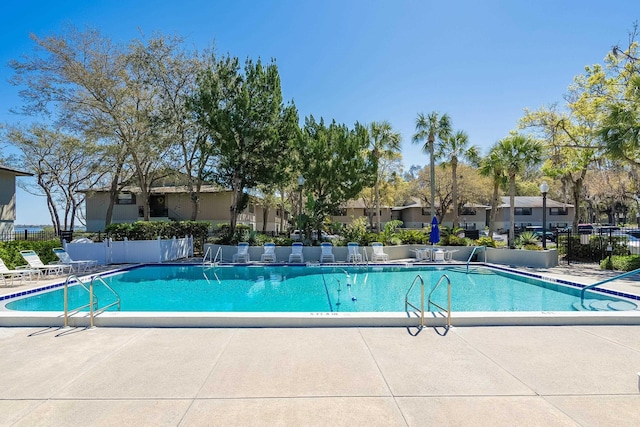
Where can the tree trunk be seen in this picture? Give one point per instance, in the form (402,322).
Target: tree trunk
(494,208)
(512,209)
(265,218)
(454,190)
(377,195)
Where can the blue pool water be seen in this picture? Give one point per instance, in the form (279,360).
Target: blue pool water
(310,289)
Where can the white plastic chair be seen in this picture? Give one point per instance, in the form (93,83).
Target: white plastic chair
(269,254)
(353,254)
(34,262)
(21,273)
(327,253)
(377,253)
(79,266)
(243,253)
(296,253)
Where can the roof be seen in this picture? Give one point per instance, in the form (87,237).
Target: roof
(532,202)
(175,189)
(16,172)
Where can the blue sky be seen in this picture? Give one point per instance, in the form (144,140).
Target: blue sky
(482,62)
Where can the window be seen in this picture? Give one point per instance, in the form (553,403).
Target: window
(252,208)
(523,211)
(426,211)
(558,211)
(126,199)
(341,212)
(467,211)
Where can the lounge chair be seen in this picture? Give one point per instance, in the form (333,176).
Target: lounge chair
(269,254)
(377,253)
(35,263)
(296,253)
(243,253)
(353,254)
(22,273)
(79,266)
(327,253)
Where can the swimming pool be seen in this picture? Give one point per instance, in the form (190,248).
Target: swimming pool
(297,294)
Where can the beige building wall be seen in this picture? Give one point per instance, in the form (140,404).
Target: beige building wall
(7,201)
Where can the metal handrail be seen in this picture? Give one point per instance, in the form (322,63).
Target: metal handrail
(473,252)
(68,313)
(208,253)
(407,304)
(620,276)
(448,309)
(117,301)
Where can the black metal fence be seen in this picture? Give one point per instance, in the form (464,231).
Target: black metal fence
(34,236)
(597,243)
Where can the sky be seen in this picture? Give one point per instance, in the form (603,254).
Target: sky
(481,62)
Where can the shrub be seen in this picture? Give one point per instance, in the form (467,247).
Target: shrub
(413,237)
(527,240)
(486,241)
(621,263)
(10,251)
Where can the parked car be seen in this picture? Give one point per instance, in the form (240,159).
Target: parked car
(537,230)
(585,228)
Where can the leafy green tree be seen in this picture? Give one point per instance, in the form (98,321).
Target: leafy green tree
(455,148)
(428,129)
(492,166)
(517,152)
(337,166)
(243,114)
(384,146)
(62,165)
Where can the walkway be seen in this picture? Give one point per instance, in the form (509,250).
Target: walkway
(498,376)
(551,376)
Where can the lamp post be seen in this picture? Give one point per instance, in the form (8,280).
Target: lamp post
(300,185)
(544,189)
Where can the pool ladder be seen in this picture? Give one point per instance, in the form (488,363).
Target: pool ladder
(208,253)
(94,307)
(419,310)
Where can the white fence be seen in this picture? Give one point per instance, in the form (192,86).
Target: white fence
(131,251)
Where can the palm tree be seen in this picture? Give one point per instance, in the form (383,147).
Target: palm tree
(456,147)
(492,166)
(429,128)
(517,152)
(385,144)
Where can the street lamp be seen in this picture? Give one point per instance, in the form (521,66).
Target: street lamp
(300,185)
(544,189)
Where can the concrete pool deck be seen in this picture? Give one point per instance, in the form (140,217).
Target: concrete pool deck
(534,375)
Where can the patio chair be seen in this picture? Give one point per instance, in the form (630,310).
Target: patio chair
(296,253)
(6,273)
(377,253)
(327,253)
(269,254)
(79,266)
(353,254)
(34,262)
(243,253)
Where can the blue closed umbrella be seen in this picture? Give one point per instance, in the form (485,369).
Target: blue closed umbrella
(434,236)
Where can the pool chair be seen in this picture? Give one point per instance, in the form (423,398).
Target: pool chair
(34,262)
(243,253)
(296,253)
(377,253)
(327,253)
(21,273)
(269,254)
(353,254)
(79,266)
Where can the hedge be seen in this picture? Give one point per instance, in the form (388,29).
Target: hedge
(10,251)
